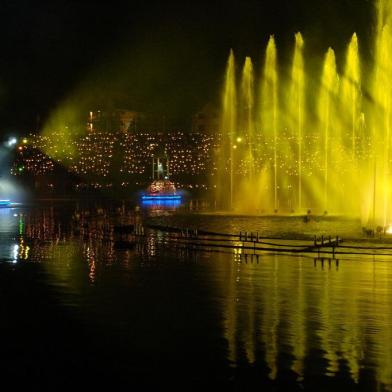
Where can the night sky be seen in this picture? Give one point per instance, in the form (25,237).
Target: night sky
(164,57)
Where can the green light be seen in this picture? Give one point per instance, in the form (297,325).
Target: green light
(21,225)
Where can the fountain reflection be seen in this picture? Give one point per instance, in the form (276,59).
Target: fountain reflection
(160,204)
(337,318)
(280,315)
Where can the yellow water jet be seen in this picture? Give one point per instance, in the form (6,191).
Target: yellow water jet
(269,108)
(325,145)
(297,103)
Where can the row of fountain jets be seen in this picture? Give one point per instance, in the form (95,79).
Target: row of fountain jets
(293,144)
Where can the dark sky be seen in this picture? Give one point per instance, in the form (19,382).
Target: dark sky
(163,56)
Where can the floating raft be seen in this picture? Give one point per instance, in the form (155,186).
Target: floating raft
(161,197)
(5,203)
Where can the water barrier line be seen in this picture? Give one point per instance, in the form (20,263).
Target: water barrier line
(252,241)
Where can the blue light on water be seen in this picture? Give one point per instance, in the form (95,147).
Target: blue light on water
(161,197)
(5,203)
(162,202)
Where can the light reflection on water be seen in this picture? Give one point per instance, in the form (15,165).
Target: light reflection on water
(291,305)
(282,316)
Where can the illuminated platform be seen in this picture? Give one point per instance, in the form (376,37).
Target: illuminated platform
(161,197)
(161,191)
(5,203)
(162,203)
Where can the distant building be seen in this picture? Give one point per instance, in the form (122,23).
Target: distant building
(118,120)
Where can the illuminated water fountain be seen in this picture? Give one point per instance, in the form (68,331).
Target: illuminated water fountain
(269,110)
(297,100)
(288,146)
(229,124)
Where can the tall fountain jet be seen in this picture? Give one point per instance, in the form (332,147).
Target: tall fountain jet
(351,94)
(351,124)
(247,194)
(269,108)
(247,122)
(296,105)
(381,111)
(326,112)
(229,127)
(311,139)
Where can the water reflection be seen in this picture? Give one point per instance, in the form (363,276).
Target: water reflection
(160,204)
(279,315)
(293,314)
(8,219)
(90,255)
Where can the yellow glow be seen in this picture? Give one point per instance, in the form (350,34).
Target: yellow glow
(260,314)
(326,112)
(228,128)
(313,141)
(296,108)
(269,111)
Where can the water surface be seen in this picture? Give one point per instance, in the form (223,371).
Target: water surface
(76,306)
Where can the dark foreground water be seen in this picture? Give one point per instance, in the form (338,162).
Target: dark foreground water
(78,310)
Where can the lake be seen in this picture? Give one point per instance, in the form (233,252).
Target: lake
(79,309)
